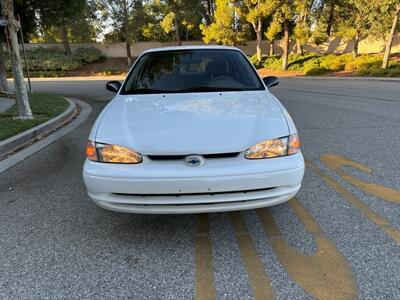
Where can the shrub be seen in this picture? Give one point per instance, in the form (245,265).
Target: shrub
(111,71)
(273,63)
(318,64)
(362,62)
(88,55)
(315,71)
(374,69)
(313,67)
(256,63)
(49,59)
(333,62)
(297,62)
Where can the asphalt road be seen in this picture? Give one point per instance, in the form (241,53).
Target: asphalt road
(339,239)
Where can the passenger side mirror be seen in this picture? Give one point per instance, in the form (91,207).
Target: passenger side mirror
(113,86)
(271,81)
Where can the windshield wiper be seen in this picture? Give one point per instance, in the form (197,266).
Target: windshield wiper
(187,90)
(209,89)
(145,91)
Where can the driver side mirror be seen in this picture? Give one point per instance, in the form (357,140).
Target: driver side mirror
(271,81)
(113,86)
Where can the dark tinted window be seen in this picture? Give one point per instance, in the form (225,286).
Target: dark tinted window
(192,71)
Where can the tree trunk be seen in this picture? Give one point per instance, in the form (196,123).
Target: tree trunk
(177,35)
(128,53)
(356,42)
(330,18)
(12,27)
(299,47)
(209,16)
(271,48)
(64,39)
(259,39)
(389,41)
(3,72)
(187,34)
(285,57)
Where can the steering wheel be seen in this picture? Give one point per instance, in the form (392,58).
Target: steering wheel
(220,78)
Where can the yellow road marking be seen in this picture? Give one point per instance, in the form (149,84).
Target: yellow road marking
(336,162)
(356,202)
(204,266)
(325,274)
(259,281)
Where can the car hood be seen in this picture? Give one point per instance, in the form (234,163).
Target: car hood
(199,123)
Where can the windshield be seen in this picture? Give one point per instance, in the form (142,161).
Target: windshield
(188,71)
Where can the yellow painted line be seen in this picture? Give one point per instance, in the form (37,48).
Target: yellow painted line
(204,277)
(324,274)
(336,163)
(356,202)
(259,281)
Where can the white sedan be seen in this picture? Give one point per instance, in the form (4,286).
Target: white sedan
(192,130)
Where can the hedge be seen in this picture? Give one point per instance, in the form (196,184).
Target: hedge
(50,60)
(88,55)
(318,64)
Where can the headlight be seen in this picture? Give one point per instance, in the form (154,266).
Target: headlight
(112,154)
(274,148)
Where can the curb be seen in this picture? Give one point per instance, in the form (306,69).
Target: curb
(79,78)
(85,111)
(29,136)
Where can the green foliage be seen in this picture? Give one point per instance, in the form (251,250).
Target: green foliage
(313,67)
(319,64)
(223,29)
(44,107)
(88,55)
(125,18)
(60,12)
(376,70)
(362,62)
(50,59)
(111,71)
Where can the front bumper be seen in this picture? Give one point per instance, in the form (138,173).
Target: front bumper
(172,188)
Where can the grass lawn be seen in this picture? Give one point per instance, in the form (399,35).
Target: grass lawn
(44,108)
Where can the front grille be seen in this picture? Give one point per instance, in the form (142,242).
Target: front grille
(181,157)
(197,194)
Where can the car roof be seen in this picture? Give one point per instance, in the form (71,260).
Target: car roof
(174,48)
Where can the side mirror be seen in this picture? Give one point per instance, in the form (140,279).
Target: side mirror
(271,81)
(113,86)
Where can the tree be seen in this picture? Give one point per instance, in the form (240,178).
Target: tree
(126,18)
(390,38)
(255,12)
(355,20)
(208,8)
(24,10)
(224,30)
(3,71)
(170,24)
(182,17)
(274,29)
(12,28)
(282,17)
(328,12)
(302,30)
(60,14)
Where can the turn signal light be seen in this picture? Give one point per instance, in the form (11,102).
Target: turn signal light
(91,152)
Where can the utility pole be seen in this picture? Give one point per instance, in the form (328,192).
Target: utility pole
(12,28)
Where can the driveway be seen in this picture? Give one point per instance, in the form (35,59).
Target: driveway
(338,239)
